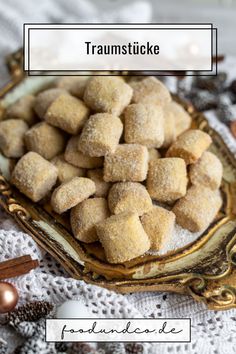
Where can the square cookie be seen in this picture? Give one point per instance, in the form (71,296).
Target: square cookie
(34,176)
(128,163)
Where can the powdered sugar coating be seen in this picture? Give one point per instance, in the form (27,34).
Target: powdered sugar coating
(107,94)
(45,139)
(198,208)
(144,125)
(181,118)
(100,135)
(123,237)
(45,98)
(85,216)
(77,158)
(12,137)
(158,223)
(34,176)
(129,196)
(167,179)
(128,163)
(68,113)
(66,171)
(23,109)
(71,193)
(190,145)
(151,91)
(207,171)
(75,85)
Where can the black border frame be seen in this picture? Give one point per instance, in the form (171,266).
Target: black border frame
(213,70)
(118,341)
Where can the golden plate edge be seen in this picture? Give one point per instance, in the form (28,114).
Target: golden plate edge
(216,291)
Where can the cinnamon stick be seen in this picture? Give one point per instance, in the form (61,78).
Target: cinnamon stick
(17,266)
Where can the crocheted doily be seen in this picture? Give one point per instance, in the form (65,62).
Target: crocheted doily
(212,332)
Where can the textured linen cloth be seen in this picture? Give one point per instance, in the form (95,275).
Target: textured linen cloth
(212,332)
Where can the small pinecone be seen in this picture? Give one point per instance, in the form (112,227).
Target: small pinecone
(114,348)
(211,83)
(3,346)
(134,348)
(31,312)
(203,100)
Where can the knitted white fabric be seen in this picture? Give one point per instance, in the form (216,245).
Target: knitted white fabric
(212,332)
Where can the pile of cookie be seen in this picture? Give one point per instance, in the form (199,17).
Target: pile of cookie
(119,156)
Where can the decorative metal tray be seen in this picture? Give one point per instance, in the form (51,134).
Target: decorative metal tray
(204,269)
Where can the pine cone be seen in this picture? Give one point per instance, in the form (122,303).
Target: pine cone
(134,348)
(30,312)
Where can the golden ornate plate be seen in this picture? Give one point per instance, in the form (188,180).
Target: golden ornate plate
(205,269)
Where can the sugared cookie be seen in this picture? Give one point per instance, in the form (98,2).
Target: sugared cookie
(129,196)
(45,139)
(198,208)
(182,120)
(68,113)
(75,85)
(167,179)
(144,125)
(128,163)
(66,171)
(151,91)
(71,193)
(77,158)
(12,137)
(190,145)
(107,94)
(34,176)
(207,171)
(85,216)
(123,237)
(23,109)
(100,135)
(158,224)
(45,98)
(102,187)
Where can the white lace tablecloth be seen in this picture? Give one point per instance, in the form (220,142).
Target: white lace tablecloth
(212,332)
